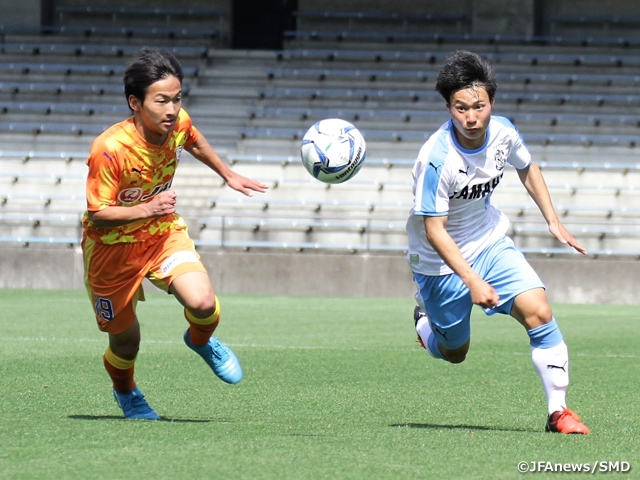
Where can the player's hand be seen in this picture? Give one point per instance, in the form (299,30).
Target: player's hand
(162,204)
(559,231)
(245,185)
(483,294)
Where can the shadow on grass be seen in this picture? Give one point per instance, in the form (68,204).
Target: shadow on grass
(162,419)
(436,426)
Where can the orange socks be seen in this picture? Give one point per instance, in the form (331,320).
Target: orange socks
(120,371)
(201,329)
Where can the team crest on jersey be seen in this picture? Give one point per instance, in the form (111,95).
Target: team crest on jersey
(178,153)
(500,156)
(130,195)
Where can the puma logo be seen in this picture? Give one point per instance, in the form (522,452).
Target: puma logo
(563,367)
(444,334)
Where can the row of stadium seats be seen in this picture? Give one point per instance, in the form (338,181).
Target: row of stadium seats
(309,37)
(118,14)
(69,69)
(42,200)
(136,35)
(529,60)
(326,234)
(420,136)
(423,75)
(54,128)
(603,23)
(429,120)
(403,96)
(46,108)
(76,49)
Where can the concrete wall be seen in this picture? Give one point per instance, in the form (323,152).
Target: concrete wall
(579,280)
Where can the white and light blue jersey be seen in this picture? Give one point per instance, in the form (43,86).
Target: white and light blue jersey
(450,180)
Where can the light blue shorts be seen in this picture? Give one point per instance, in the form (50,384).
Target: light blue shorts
(447,300)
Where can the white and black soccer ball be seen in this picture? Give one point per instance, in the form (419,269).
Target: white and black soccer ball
(333,150)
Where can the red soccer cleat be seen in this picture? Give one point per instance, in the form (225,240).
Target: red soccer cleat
(565,421)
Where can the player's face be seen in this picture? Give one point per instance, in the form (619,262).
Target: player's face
(470,110)
(156,116)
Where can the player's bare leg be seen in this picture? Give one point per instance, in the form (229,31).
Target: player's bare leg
(202,310)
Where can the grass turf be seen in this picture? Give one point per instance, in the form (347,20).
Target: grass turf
(333,388)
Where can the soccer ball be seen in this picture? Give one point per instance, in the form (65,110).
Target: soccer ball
(333,150)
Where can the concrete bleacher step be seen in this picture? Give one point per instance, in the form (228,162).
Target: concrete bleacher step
(44,225)
(229,75)
(240,94)
(44,142)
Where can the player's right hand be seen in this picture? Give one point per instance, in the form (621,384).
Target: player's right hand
(162,204)
(483,294)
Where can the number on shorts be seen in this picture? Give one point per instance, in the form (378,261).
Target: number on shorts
(104,308)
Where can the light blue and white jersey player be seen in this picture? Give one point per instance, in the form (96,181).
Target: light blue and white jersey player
(458,249)
(450,180)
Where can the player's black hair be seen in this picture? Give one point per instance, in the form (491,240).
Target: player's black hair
(463,69)
(147,67)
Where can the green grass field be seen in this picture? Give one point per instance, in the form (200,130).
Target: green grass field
(334,388)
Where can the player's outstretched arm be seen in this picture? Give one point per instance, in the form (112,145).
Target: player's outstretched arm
(532,179)
(481,292)
(205,153)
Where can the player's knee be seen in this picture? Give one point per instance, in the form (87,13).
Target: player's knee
(543,313)
(203,310)
(457,355)
(203,306)
(126,351)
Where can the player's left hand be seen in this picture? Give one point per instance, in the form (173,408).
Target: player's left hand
(559,231)
(245,185)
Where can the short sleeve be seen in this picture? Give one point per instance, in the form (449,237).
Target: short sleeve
(520,156)
(431,184)
(103,178)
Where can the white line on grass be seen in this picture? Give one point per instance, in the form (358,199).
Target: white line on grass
(279,347)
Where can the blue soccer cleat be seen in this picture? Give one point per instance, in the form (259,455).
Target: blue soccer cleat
(134,405)
(219,357)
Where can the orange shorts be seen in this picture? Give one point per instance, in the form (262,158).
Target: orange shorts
(113,274)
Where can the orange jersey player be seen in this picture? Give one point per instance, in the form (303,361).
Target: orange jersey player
(132,230)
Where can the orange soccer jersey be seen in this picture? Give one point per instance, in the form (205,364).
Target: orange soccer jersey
(125,170)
